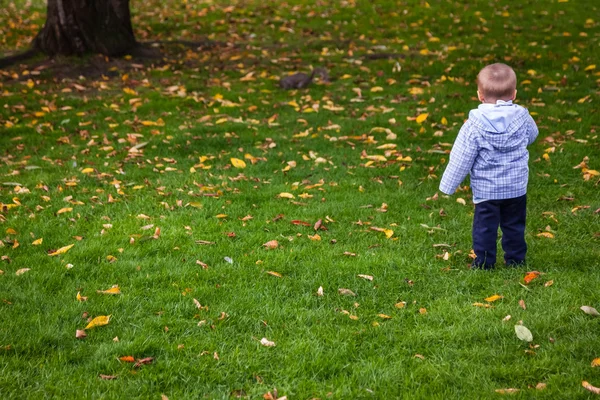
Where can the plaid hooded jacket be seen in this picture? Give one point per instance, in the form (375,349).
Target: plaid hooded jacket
(492,147)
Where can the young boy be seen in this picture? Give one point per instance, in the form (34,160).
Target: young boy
(492,147)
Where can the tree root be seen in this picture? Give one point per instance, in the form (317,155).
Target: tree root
(16,58)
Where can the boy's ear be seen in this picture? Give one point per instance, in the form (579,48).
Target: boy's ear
(515,95)
(480,97)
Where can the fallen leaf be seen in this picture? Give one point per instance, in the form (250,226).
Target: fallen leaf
(589,310)
(113,290)
(549,283)
(128,359)
(62,250)
(384,316)
(266,342)
(462,201)
(548,235)
(143,361)
(80,334)
(523,333)
(285,195)
(37,242)
(493,298)
(541,386)
(22,271)
(80,297)
(271,244)
(596,362)
(421,118)
(401,304)
(591,388)
(320,291)
(422,310)
(483,305)
(236,162)
(531,276)
(507,391)
(346,292)
(522,304)
(108,377)
(98,321)
(367,277)
(273,273)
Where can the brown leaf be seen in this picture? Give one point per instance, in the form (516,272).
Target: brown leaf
(541,386)
(108,377)
(367,277)
(318,225)
(273,273)
(522,304)
(596,362)
(271,244)
(22,271)
(80,334)
(590,310)
(143,361)
(346,292)
(591,388)
(128,359)
(507,391)
(299,222)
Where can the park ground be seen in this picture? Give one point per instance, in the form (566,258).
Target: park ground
(180,227)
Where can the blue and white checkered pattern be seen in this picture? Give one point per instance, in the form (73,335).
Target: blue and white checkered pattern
(492,147)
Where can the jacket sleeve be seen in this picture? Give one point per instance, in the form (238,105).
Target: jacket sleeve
(462,157)
(532,130)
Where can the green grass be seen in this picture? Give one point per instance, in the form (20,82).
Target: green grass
(454,350)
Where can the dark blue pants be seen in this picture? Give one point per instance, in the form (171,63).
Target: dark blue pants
(510,215)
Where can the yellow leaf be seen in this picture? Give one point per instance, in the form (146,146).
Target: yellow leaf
(462,201)
(316,236)
(11,231)
(236,162)
(80,297)
(596,362)
(546,235)
(444,121)
(376,89)
(493,298)
(62,250)
(64,210)
(422,117)
(37,242)
(590,67)
(383,316)
(273,273)
(286,195)
(87,170)
(98,321)
(221,216)
(401,304)
(148,123)
(113,290)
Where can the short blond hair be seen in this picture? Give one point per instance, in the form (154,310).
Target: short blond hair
(497,82)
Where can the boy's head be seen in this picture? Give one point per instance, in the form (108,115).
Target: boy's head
(496,82)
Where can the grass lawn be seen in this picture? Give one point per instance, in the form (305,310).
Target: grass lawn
(168,177)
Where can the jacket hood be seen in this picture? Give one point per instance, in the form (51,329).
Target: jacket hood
(497,123)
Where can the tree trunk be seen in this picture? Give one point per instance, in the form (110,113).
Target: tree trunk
(86,26)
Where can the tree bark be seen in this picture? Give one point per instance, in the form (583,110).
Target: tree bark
(86,26)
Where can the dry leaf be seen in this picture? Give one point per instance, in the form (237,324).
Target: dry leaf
(320,291)
(591,388)
(384,316)
(493,298)
(113,290)
(422,310)
(346,292)
(589,310)
(62,250)
(548,235)
(541,386)
(143,361)
(421,118)
(462,201)
(128,359)
(285,195)
(531,276)
(549,283)
(367,277)
(507,391)
(266,342)
(107,377)
(523,333)
(401,304)
(37,242)
(80,297)
(596,362)
(522,304)
(22,271)
(271,244)
(80,334)
(236,162)
(98,321)
(273,273)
